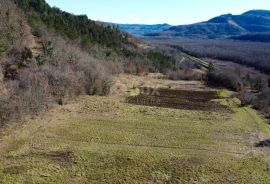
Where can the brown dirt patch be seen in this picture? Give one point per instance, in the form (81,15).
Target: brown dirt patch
(61,156)
(178,99)
(14,169)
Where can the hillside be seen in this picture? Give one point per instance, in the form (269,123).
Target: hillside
(83,102)
(73,26)
(218,27)
(49,56)
(226,25)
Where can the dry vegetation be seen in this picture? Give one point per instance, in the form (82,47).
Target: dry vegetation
(203,135)
(62,71)
(238,66)
(98,140)
(44,61)
(252,54)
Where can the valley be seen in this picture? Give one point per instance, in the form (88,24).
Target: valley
(105,139)
(90,101)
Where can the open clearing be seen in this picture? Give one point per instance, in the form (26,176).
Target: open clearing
(106,140)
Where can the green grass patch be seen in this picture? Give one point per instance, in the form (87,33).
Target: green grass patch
(139,144)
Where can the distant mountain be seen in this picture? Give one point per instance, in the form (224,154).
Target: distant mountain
(263,13)
(224,26)
(254,21)
(142,29)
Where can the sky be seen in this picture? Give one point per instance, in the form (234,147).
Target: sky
(174,12)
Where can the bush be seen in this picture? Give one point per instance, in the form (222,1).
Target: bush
(161,61)
(32,91)
(46,53)
(247,98)
(225,79)
(262,101)
(94,83)
(26,54)
(7,109)
(257,83)
(61,84)
(184,74)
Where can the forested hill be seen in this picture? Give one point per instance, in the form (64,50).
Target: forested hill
(49,56)
(226,25)
(223,26)
(75,27)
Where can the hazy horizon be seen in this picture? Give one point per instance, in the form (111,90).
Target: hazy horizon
(173,12)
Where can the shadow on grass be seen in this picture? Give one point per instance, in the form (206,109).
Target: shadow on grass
(264,143)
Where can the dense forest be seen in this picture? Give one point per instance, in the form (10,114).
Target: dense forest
(73,26)
(252,54)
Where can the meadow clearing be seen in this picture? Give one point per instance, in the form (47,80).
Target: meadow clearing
(95,139)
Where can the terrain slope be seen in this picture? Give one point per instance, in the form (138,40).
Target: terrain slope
(107,140)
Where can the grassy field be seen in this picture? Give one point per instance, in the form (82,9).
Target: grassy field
(105,140)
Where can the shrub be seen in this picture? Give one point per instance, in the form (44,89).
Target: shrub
(211,67)
(3,47)
(184,74)
(26,54)
(7,109)
(60,84)
(32,92)
(46,53)
(262,101)
(257,83)
(225,79)
(161,61)
(247,98)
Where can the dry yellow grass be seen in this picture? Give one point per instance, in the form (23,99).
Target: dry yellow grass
(104,140)
(129,84)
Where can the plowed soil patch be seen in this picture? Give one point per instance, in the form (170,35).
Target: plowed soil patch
(178,99)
